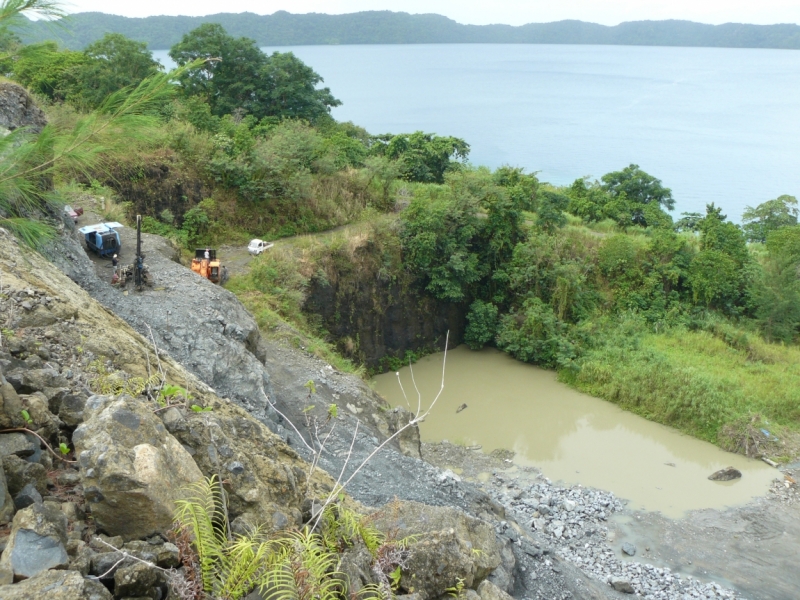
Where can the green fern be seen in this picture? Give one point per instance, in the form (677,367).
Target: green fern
(293,565)
(112,383)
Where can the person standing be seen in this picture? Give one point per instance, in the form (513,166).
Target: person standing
(207,255)
(114,262)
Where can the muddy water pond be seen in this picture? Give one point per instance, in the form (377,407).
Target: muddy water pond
(572,437)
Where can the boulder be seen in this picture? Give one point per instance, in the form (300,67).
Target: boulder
(727,474)
(56,585)
(10,406)
(29,381)
(37,541)
(489,591)
(139,580)
(17,109)
(20,473)
(266,480)
(356,566)
(27,496)
(24,445)
(629,549)
(451,546)
(38,406)
(71,409)
(621,584)
(133,470)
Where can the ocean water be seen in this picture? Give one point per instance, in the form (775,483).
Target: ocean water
(714,124)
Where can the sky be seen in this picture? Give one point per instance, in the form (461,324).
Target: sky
(480,12)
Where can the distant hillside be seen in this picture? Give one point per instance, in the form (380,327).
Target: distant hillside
(385,27)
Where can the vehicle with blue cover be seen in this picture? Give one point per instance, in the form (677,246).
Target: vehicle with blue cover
(102,238)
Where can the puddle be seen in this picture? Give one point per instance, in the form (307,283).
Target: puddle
(571,437)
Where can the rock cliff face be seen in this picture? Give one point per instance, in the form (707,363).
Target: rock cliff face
(375,310)
(17,109)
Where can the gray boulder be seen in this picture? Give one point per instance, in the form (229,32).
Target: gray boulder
(10,406)
(489,591)
(622,584)
(452,546)
(266,479)
(24,445)
(133,469)
(27,496)
(20,473)
(17,109)
(56,585)
(37,542)
(70,410)
(138,580)
(727,474)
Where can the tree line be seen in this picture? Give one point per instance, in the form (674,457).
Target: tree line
(385,27)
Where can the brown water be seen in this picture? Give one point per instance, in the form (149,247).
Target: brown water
(571,437)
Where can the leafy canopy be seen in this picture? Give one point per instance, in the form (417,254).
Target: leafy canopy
(238,78)
(112,63)
(769,216)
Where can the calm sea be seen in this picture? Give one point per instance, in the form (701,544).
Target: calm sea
(715,125)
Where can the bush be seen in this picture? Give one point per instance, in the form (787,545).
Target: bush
(533,334)
(481,324)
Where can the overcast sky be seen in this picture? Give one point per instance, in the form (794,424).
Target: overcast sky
(514,12)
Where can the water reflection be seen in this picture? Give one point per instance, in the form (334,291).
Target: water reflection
(572,437)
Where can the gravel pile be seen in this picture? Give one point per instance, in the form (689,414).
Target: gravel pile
(572,520)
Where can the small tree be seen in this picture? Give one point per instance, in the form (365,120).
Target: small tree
(769,216)
(112,63)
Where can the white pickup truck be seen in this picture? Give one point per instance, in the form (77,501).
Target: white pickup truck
(256,247)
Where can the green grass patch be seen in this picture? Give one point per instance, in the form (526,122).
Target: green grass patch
(709,384)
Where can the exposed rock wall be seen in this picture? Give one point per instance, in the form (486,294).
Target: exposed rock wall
(376,310)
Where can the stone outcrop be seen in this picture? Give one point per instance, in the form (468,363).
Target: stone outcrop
(133,470)
(17,109)
(266,480)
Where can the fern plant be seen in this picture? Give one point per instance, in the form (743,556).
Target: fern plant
(112,383)
(292,565)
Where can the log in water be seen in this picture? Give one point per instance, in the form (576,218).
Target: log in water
(570,436)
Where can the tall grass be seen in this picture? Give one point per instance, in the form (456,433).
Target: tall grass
(702,382)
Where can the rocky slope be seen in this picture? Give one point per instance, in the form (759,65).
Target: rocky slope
(76,374)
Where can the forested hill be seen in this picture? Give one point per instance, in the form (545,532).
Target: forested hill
(385,27)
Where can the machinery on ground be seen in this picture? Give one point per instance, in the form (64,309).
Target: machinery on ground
(206,264)
(102,238)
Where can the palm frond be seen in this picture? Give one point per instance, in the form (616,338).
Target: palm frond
(12,12)
(31,233)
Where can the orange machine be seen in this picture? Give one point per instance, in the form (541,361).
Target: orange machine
(208,267)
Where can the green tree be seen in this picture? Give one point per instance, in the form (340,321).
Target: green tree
(291,89)
(638,186)
(423,157)
(45,69)
(237,77)
(533,334)
(481,324)
(769,216)
(112,63)
(635,190)
(437,238)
